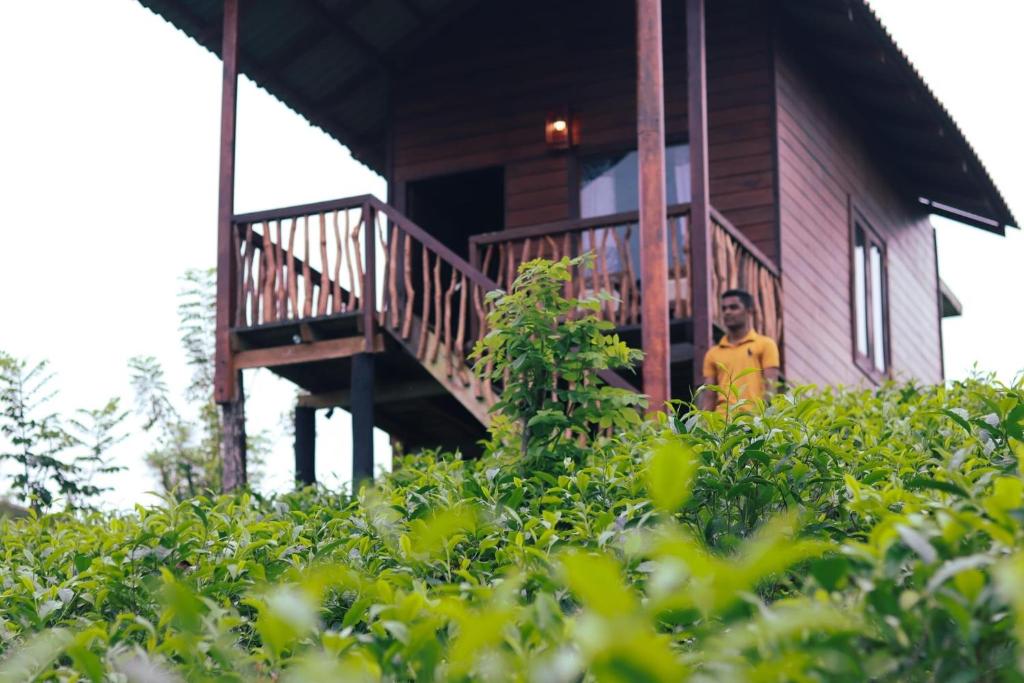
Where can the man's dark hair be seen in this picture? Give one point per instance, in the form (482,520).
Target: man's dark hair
(743,295)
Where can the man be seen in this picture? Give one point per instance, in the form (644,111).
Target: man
(740,349)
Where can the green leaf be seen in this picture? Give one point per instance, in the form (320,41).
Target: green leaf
(82,562)
(596,580)
(355,613)
(919,483)
(429,536)
(829,571)
(184,607)
(960,420)
(87,661)
(670,473)
(1014,422)
(970,583)
(1007,494)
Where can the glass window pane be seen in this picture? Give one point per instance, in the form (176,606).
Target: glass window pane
(860,292)
(608,184)
(677,174)
(877,311)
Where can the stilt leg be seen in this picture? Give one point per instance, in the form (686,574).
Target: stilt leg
(232,445)
(305,446)
(362,418)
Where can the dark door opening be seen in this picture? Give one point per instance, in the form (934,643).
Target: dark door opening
(454,207)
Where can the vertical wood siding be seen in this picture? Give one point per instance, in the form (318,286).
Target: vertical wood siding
(481,97)
(823,161)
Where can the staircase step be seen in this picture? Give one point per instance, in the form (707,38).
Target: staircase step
(463,391)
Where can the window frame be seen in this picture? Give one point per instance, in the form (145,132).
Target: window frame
(872,238)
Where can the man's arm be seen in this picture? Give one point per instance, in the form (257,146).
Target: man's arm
(708,399)
(770,368)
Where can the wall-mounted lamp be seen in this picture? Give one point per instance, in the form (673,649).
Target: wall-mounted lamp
(558,130)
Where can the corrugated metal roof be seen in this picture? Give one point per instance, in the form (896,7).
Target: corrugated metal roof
(909,125)
(333,61)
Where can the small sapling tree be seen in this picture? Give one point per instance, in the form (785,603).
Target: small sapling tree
(186,456)
(52,460)
(546,351)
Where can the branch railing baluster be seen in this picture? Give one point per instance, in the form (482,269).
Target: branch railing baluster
(739,264)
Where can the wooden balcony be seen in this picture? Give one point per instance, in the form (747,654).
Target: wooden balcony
(318,284)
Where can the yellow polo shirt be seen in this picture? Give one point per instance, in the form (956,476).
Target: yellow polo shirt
(754,351)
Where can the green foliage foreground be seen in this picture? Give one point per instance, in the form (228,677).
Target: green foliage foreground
(857,535)
(835,536)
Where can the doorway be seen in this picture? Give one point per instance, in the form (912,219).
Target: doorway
(454,207)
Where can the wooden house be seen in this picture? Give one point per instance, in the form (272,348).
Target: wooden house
(785,146)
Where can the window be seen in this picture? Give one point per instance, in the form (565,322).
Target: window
(608,184)
(870,297)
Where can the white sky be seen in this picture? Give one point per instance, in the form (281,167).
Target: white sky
(109,124)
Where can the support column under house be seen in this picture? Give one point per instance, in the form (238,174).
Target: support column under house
(305,446)
(227,379)
(362,418)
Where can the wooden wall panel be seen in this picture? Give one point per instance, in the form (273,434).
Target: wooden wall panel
(481,98)
(822,162)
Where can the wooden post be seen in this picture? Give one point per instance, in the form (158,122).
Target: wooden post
(362,363)
(227,386)
(700,235)
(362,418)
(305,446)
(224,379)
(369,300)
(650,129)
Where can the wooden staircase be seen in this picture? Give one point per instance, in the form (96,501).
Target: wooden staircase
(320,283)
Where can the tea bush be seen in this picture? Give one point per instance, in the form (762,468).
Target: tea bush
(825,537)
(837,535)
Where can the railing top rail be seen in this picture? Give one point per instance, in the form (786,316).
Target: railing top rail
(493,237)
(569,226)
(305,209)
(433,244)
(745,242)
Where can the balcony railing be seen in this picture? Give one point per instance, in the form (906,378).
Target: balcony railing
(614,240)
(737,263)
(300,262)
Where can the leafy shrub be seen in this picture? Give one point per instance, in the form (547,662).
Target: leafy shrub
(835,536)
(185,456)
(547,351)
